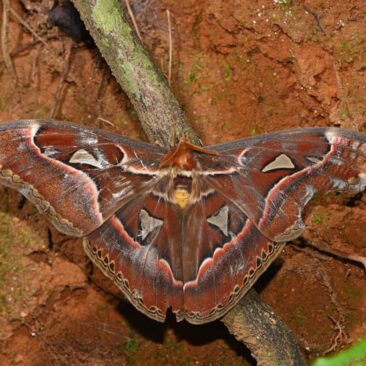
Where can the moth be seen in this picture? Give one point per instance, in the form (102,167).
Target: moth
(189,229)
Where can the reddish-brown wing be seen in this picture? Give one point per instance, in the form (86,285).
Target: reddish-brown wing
(76,175)
(198,262)
(272,177)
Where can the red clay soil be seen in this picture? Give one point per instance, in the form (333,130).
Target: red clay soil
(240,68)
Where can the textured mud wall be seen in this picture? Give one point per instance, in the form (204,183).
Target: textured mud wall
(239,69)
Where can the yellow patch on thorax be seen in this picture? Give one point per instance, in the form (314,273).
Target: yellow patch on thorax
(182,197)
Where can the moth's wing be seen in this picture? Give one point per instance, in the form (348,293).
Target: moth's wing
(272,177)
(198,264)
(223,255)
(140,249)
(76,175)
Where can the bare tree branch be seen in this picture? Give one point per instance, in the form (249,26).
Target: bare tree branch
(158,110)
(270,342)
(251,321)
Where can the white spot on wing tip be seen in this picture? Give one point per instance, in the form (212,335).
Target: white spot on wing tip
(34,127)
(280,162)
(331,135)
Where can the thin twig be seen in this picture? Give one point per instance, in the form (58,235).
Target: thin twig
(332,252)
(106,121)
(316,17)
(340,336)
(4,32)
(25,47)
(26,25)
(357,258)
(343,96)
(65,71)
(101,90)
(170,48)
(130,13)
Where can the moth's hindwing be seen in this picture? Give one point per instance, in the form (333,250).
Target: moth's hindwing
(198,264)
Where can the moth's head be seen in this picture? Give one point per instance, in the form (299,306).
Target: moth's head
(183,156)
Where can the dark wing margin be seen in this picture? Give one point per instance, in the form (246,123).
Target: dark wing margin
(142,255)
(224,255)
(77,176)
(276,174)
(139,248)
(199,262)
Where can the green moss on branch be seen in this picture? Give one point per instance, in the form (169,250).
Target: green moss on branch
(158,110)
